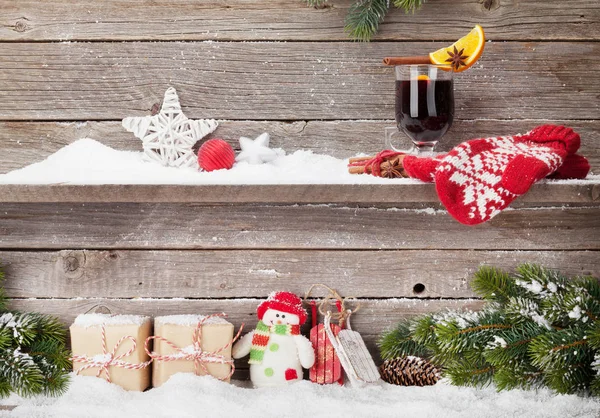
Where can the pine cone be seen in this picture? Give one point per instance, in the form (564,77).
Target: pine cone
(409,371)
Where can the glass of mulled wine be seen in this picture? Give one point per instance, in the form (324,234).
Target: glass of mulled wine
(424,105)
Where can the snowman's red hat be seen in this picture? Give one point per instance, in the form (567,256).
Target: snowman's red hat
(284,302)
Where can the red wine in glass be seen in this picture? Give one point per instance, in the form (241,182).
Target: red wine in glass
(424,109)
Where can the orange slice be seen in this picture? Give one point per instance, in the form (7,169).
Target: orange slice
(463,53)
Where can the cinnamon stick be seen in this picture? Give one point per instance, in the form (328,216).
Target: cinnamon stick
(360,159)
(406,60)
(358,170)
(390,168)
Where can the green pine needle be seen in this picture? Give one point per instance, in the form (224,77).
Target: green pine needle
(316,3)
(463,372)
(560,348)
(575,378)
(400,343)
(5,387)
(593,336)
(52,354)
(518,376)
(423,330)
(21,372)
(494,285)
(33,355)
(409,5)
(595,385)
(512,344)
(469,335)
(364,17)
(539,282)
(51,328)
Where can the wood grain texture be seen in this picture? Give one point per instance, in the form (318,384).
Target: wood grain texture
(397,195)
(47,20)
(23,143)
(235,274)
(192,226)
(284,81)
(374,316)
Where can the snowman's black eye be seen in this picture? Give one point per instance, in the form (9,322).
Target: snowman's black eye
(283,316)
(277,315)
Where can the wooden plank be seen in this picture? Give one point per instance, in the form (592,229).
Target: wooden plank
(374,316)
(234,274)
(29,20)
(23,143)
(543,194)
(192,226)
(276,194)
(284,81)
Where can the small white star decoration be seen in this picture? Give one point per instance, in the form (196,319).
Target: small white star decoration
(257,151)
(168,137)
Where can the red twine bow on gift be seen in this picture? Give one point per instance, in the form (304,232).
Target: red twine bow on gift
(105,360)
(374,164)
(194,352)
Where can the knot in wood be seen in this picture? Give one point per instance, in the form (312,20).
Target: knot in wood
(71,264)
(101,309)
(490,5)
(20,26)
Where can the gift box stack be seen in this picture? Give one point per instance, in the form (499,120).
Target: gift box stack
(123,349)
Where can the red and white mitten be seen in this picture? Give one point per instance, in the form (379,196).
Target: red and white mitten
(423,168)
(481,177)
(575,167)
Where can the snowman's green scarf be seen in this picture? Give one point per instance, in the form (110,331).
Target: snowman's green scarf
(262,334)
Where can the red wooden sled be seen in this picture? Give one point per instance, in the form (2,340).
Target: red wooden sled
(327,368)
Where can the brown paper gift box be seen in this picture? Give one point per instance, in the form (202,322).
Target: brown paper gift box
(179,330)
(86,340)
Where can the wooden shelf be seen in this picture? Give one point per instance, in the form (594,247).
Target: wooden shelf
(545,193)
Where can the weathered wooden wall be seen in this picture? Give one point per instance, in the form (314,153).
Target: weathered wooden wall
(71,69)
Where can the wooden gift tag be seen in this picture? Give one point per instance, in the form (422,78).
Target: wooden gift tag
(327,369)
(354,356)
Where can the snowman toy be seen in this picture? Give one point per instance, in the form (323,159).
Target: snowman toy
(278,351)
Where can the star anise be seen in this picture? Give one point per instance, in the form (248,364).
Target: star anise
(457,58)
(392,169)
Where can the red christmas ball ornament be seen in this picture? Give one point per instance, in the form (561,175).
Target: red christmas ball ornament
(215,154)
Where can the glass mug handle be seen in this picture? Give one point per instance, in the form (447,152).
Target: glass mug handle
(396,141)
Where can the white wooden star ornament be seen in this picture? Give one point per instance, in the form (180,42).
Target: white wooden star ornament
(168,137)
(256,151)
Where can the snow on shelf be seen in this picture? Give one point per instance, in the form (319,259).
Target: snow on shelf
(87,161)
(97,319)
(88,171)
(187,320)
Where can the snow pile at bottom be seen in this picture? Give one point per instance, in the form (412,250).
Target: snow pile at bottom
(186,395)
